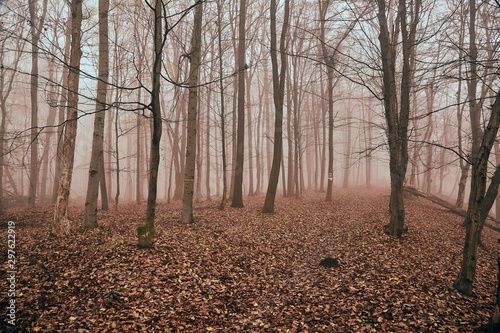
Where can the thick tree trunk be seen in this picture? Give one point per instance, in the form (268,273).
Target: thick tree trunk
(60,225)
(97,157)
(397,115)
(187,200)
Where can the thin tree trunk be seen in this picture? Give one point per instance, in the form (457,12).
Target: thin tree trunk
(199,153)
(329,61)
(97,157)
(207,138)
(48,134)
(146,232)
(117,160)
(237,197)
(464,167)
(222,107)
(250,136)
(36,28)
(347,152)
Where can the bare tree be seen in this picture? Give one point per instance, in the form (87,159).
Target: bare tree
(96,161)
(482,144)
(60,225)
(146,232)
(397,114)
(279,76)
(36,25)
(481,198)
(222,106)
(237,197)
(195,54)
(330,65)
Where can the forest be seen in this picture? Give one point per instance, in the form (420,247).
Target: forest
(250,165)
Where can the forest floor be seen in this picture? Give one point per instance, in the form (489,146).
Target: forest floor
(240,270)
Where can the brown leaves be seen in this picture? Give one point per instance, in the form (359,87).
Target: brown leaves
(242,270)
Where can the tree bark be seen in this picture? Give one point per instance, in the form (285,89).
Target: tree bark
(154,161)
(237,197)
(329,62)
(278,96)
(397,116)
(60,224)
(480,199)
(187,200)
(36,28)
(222,107)
(97,157)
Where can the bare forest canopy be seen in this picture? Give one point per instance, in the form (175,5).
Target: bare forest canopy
(439,128)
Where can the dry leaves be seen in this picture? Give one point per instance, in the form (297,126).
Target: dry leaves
(242,270)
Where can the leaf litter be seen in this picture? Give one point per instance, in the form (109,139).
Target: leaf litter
(243,270)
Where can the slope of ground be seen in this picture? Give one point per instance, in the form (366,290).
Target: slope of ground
(241,270)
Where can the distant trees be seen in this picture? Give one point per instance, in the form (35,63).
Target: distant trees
(8,71)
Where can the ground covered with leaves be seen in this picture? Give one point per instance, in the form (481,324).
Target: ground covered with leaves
(240,270)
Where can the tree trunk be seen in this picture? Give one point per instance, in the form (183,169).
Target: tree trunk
(222,107)
(103,186)
(397,116)
(464,166)
(249,136)
(480,200)
(329,62)
(60,225)
(197,194)
(207,136)
(48,134)
(154,161)
(278,95)
(97,157)
(347,152)
(187,200)
(36,28)
(237,197)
